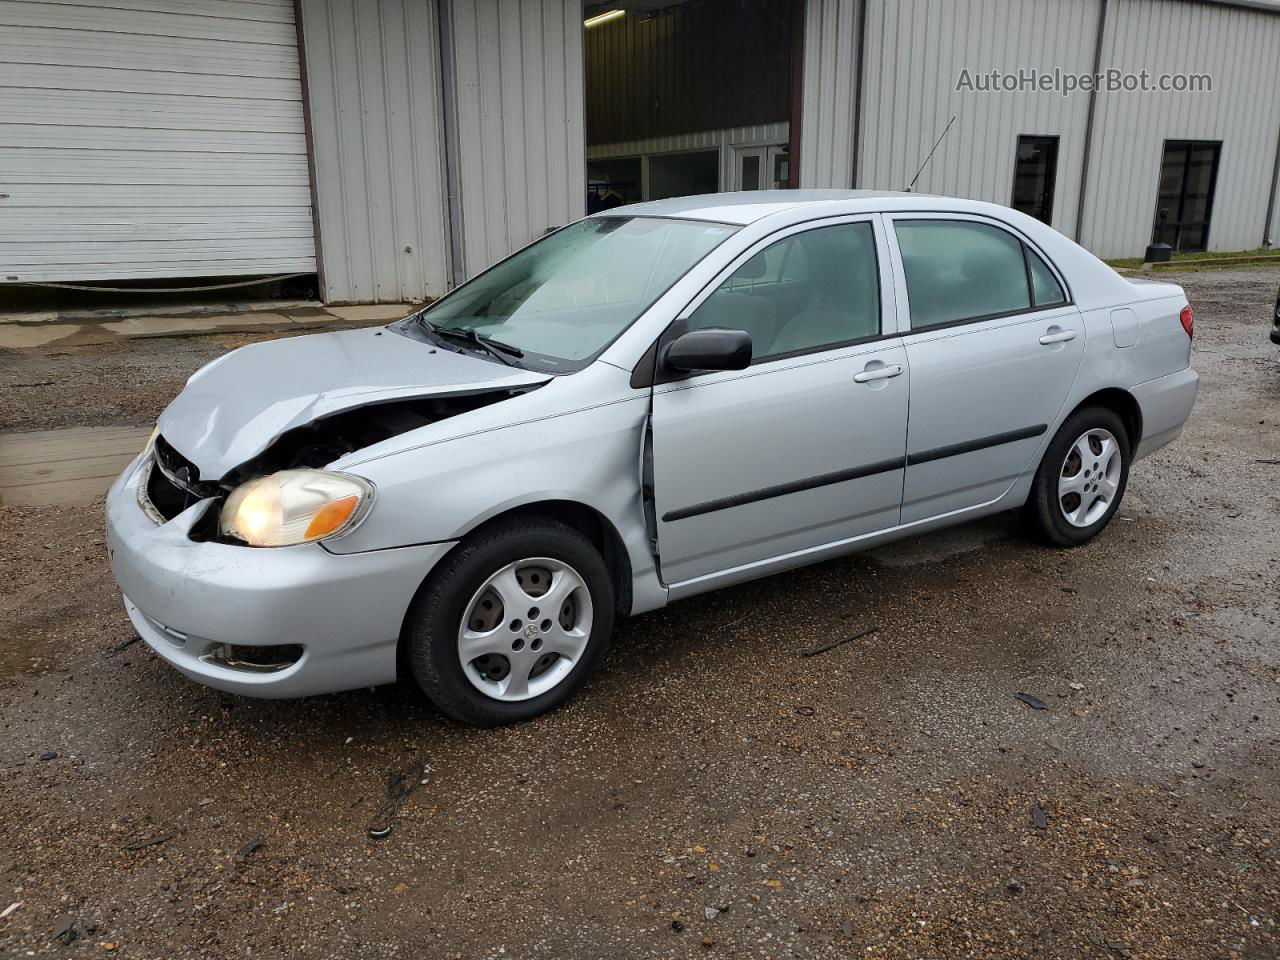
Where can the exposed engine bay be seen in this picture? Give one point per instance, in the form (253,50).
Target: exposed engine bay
(174,483)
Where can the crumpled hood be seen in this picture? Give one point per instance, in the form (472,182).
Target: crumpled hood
(235,407)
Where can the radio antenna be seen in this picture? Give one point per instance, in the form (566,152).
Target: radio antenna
(931,153)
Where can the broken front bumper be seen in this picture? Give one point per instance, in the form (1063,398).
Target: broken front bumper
(337,617)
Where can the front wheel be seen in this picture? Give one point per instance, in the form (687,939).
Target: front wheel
(1081,479)
(511,623)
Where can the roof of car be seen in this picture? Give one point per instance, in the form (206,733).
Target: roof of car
(747,206)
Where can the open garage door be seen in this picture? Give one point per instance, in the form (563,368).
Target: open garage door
(151,138)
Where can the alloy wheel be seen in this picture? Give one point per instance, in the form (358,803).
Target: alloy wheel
(525,629)
(1090,477)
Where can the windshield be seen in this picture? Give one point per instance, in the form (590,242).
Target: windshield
(565,298)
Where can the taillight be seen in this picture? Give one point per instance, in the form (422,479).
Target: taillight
(1188,321)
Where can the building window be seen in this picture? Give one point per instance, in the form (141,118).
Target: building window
(1034,171)
(1185,203)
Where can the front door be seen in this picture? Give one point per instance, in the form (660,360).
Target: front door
(994,347)
(805,447)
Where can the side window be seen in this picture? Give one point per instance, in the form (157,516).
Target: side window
(1046,291)
(807,291)
(959,270)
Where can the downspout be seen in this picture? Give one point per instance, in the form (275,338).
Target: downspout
(452,156)
(856,148)
(797,91)
(1088,123)
(1267,239)
(321,290)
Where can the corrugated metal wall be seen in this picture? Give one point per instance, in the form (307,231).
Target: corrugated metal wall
(761,134)
(828,93)
(138,140)
(521,138)
(916,50)
(373,74)
(1241,49)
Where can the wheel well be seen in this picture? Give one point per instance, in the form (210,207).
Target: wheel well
(593,525)
(1123,405)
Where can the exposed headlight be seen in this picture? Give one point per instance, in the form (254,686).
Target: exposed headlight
(294,506)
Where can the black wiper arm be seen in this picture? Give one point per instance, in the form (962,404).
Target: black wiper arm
(495,348)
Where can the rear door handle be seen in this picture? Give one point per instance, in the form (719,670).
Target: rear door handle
(1060,336)
(878,373)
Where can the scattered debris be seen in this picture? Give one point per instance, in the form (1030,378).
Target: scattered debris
(10,908)
(399,786)
(708,943)
(1068,589)
(805,711)
(50,755)
(1269,462)
(64,930)
(1039,819)
(245,852)
(153,841)
(710,912)
(823,648)
(125,644)
(1034,702)
(1118,946)
(1014,887)
(1077,687)
(676,926)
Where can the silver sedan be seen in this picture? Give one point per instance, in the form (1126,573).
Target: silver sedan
(644,405)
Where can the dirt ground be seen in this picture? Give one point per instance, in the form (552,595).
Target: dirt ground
(712,793)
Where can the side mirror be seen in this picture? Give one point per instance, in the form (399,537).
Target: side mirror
(714,348)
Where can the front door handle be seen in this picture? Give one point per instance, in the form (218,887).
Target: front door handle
(1057,336)
(878,373)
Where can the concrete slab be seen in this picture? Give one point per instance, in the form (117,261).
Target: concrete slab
(373,311)
(76,465)
(14,337)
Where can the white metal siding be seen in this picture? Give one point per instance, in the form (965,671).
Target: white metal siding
(151,138)
(828,93)
(759,134)
(1240,48)
(915,52)
(373,75)
(521,132)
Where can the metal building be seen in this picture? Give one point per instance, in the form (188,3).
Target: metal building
(395,147)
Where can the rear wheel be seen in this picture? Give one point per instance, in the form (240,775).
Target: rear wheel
(1081,479)
(511,623)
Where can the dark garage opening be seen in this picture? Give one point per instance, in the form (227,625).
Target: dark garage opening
(688,98)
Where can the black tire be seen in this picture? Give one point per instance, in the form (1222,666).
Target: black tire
(431,627)
(1042,515)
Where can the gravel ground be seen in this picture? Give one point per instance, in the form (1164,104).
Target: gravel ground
(712,792)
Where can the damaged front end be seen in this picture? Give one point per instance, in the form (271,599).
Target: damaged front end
(172,483)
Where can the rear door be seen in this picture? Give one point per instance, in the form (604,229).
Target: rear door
(994,344)
(804,447)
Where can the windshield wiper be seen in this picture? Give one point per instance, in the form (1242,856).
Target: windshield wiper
(495,348)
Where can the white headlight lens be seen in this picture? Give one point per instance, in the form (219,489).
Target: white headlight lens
(294,506)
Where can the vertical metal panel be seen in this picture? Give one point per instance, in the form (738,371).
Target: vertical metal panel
(520,110)
(916,50)
(828,93)
(373,75)
(1240,48)
(159,141)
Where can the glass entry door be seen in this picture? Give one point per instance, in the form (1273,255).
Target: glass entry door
(1185,203)
(762,168)
(1035,170)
